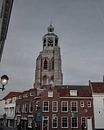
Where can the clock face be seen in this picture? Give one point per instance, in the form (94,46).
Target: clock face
(50,40)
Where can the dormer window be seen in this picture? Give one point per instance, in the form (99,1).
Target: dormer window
(73,92)
(50,93)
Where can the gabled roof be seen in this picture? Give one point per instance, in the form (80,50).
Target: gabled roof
(29,90)
(11,94)
(97,87)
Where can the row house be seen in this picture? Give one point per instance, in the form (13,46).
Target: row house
(98,102)
(25,108)
(9,109)
(66,107)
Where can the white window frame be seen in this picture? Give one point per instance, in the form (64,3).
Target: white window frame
(26,107)
(76,106)
(23,108)
(43,118)
(71,122)
(61,121)
(62,106)
(82,104)
(73,93)
(85,121)
(50,93)
(29,122)
(30,105)
(89,104)
(43,106)
(56,122)
(31,94)
(55,106)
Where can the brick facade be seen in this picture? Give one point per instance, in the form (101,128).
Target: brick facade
(62,95)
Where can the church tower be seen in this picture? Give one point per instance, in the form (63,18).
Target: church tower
(48,63)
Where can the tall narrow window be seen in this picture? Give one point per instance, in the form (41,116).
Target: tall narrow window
(26,108)
(74,122)
(30,107)
(45,123)
(54,106)
(45,64)
(56,41)
(64,122)
(89,104)
(51,64)
(74,106)
(82,104)
(45,106)
(83,122)
(54,122)
(64,106)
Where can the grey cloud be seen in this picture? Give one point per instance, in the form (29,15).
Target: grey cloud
(80,27)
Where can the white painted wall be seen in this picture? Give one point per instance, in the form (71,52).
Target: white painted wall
(98,101)
(89,124)
(10,108)
(2,104)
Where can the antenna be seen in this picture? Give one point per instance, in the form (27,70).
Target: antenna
(51,20)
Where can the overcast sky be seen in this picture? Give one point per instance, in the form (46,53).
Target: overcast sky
(80,27)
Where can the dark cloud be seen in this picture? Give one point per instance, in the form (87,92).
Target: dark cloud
(80,27)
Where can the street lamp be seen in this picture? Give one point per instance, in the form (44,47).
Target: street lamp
(3,80)
(38,117)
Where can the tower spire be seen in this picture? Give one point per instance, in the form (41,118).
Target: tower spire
(48,63)
(50,27)
(51,20)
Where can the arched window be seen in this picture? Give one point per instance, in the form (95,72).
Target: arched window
(45,64)
(56,41)
(44,40)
